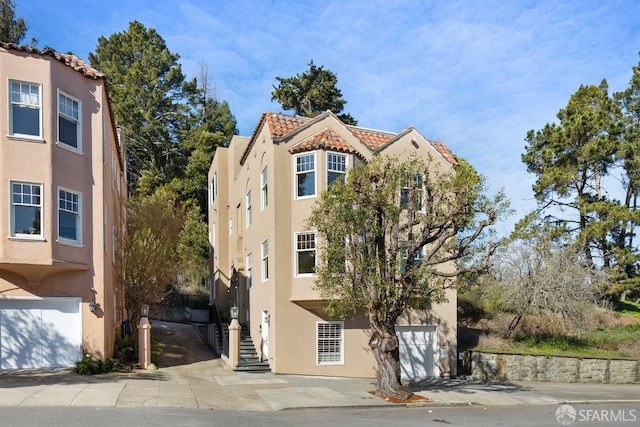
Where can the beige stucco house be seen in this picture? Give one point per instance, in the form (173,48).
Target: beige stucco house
(62,195)
(262,189)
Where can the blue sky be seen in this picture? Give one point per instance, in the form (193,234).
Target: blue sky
(476,75)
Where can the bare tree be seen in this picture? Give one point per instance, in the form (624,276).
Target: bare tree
(536,275)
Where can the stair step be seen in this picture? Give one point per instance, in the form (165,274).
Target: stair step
(253,367)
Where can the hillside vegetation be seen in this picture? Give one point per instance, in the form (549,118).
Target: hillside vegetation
(610,331)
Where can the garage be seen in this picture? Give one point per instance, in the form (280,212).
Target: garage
(40,332)
(418,350)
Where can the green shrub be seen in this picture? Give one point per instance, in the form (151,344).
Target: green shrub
(126,350)
(86,366)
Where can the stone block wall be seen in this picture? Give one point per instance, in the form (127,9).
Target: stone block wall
(519,367)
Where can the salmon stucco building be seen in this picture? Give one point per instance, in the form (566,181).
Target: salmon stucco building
(261,191)
(62,209)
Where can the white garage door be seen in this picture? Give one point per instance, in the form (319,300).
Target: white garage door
(40,332)
(418,351)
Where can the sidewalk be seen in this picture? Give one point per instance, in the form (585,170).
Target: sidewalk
(190,378)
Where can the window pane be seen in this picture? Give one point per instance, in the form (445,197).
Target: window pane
(306,184)
(26,220)
(306,262)
(68,131)
(333,176)
(26,120)
(305,175)
(67,225)
(336,162)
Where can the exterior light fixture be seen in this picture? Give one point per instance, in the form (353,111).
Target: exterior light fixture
(92,305)
(234,312)
(145,310)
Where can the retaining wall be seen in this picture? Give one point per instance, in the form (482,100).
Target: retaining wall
(519,367)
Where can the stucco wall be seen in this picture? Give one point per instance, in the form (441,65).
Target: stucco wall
(518,367)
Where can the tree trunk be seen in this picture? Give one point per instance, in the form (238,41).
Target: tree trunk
(513,325)
(386,350)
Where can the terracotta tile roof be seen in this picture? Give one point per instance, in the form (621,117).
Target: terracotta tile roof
(68,59)
(373,139)
(326,138)
(281,126)
(444,151)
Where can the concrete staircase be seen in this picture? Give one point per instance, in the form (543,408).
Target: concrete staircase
(249,361)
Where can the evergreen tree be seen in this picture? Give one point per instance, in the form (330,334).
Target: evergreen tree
(628,268)
(571,161)
(311,93)
(12,29)
(150,100)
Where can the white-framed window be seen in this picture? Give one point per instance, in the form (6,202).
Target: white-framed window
(337,164)
(114,244)
(69,216)
(415,184)
(213,235)
(330,343)
(264,189)
(25,113)
(26,210)
(248,209)
(417,259)
(214,187)
(264,260)
(305,250)
(69,129)
(105,220)
(249,268)
(305,180)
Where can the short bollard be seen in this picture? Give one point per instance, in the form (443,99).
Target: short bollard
(144,343)
(234,343)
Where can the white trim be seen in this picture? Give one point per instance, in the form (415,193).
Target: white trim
(346,164)
(23,236)
(264,188)
(37,298)
(248,206)
(249,269)
(28,137)
(64,240)
(295,175)
(78,122)
(264,260)
(340,340)
(296,251)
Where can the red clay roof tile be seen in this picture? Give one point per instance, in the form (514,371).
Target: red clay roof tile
(327,139)
(68,59)
(371,138)
(444,151)
(281,126)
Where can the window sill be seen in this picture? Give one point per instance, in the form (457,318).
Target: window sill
(304,275)
(305,197)
(26,138)
(27,239)
(70,148)
(70,243)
